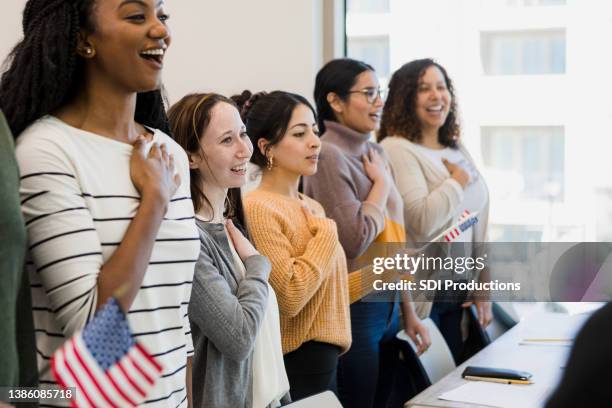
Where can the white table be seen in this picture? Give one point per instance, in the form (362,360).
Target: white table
(544,362)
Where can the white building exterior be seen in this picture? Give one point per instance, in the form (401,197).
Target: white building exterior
(533,81)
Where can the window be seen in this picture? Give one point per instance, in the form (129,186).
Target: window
(531,98)
(603,214)
(521,3)
(367,6)
(515,233)
(372,50)
(535,156)
(529,52)
(545,2)
(545,163)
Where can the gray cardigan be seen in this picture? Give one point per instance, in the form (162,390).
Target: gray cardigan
(225,312)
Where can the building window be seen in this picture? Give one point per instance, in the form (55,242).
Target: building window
(545,2)
(529,52)
(516,233)
(535,156)
(372,50)
(367,6)
(527,3)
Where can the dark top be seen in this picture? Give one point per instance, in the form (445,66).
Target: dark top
(17,351)
(588,373)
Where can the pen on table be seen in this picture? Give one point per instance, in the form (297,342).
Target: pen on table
(497,380)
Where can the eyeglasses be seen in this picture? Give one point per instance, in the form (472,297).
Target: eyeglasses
(372,94)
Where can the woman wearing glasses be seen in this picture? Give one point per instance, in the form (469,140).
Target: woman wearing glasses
(356,189)
(436,177)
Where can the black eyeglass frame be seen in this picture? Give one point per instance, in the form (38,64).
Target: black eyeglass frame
(371,94)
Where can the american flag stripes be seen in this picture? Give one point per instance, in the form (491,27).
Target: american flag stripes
(466,221)
(104,364)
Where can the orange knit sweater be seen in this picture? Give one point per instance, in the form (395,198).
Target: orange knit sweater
(309,273)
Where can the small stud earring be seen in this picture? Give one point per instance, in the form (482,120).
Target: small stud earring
(89,51)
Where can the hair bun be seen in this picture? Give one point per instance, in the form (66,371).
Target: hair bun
(246,100)
(241,99)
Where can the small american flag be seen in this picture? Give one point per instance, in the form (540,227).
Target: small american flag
(104,364)
(465,222)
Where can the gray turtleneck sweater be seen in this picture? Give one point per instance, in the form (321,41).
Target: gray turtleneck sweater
(342,186)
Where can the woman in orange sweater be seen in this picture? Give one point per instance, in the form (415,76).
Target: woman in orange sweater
(309,272)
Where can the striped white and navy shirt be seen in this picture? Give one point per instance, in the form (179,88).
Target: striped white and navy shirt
(78,200)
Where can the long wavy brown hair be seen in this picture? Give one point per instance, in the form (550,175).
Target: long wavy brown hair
(188,119)
(399,114)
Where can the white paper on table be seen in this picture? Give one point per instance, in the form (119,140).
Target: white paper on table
(576,308)
(548,343)
(499,395)
(552,329)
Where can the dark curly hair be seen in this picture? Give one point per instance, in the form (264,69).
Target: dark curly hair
(399,114)
(267,115)
(189,118)
(44,72)
(337,76)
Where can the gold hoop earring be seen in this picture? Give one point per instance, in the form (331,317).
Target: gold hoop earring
(270,163)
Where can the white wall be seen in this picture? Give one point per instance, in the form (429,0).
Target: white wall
(229,45)
(10,29)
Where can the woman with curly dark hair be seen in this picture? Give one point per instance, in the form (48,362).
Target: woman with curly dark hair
(435,175)
(104,191)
